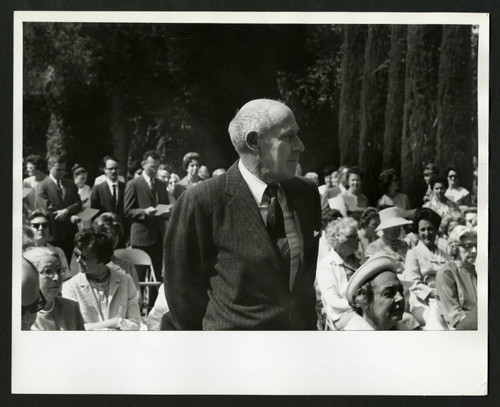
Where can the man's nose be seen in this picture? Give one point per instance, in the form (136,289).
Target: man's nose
(399,297)
(299,146)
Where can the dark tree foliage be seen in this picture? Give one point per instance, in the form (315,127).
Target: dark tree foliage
(454,134)
(353,49)
(420,114)
(373,101)
(395,99)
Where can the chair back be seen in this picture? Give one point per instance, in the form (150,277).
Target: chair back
(138,257)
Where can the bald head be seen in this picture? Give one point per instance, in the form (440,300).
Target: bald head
(258,116)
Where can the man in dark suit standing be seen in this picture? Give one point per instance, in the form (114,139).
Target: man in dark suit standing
(60,197)
(240,250)
(142,195)
(108,196)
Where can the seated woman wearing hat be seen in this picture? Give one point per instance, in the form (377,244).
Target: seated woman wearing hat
(456,281)
(335,270)
(376,294)
(107,299)
(422,263)
(390,243)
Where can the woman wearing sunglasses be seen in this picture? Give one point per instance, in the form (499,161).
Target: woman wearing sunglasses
(456,282)
(57,314)
(40,221)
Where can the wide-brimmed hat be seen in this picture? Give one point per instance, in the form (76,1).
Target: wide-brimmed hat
(394,216)
(373,266)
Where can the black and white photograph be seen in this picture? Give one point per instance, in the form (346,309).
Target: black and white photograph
(269,177)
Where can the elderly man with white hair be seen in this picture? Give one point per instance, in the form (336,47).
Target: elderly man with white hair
(240,250)
(376,294)
(58,314)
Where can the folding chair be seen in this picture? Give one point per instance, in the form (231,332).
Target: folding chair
(140,258)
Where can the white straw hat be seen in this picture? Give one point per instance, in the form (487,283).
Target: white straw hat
(393,216)
(374,265)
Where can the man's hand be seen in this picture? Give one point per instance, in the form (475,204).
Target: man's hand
(166,214)
(75,219)
(150,211)
(61,214)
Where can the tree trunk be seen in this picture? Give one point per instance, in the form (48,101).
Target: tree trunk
(419,122)
(119,132)
(373,101)
(351,75)
(395,99)
(454,142)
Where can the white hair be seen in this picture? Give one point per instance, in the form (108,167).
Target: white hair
(253,116)
(35,255)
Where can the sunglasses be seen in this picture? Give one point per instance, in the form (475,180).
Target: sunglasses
(452,176)
(35,306)
(43,225)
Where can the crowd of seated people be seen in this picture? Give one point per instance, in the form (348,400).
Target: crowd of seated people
(386,267)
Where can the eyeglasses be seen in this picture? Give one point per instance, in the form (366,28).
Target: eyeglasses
(35,306)
(452,176)
(43,225)
(48,272)
(112,169)
(468,246)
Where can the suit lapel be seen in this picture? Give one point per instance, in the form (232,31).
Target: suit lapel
(300,214)
(56,194)
(245,210)
(146,188)
(107,193)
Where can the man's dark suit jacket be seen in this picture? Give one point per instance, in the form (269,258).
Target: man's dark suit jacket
(144,230)
(48,196)
(102,199)
(222,271)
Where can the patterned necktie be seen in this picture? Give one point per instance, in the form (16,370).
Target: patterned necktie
(276,225)
(115,200)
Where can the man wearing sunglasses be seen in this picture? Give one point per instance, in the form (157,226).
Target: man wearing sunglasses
(32,299)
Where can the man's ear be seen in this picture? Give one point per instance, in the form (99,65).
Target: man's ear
(252,140)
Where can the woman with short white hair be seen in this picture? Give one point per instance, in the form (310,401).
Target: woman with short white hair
(335,270)
(456,282)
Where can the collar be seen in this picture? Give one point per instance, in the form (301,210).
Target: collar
(256,186)
(146,177)
(111,183)
(54,180)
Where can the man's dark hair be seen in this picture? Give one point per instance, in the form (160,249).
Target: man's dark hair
(39,162)
(97,243)
(106,158)
(55,159)
(151,153)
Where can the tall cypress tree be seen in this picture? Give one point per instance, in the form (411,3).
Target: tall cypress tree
(454,142)
(350,91)
(420,110)
(395,99)
(373,101)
